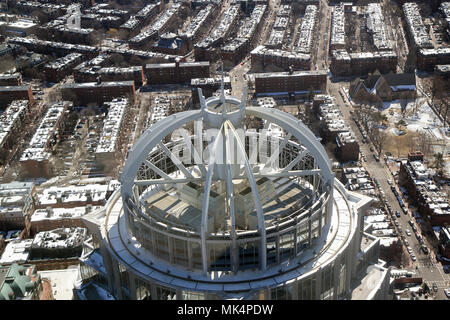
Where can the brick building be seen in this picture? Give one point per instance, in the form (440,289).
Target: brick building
(350,64)
(134,73)
(263,57)
(170,43)
(74,196)
(427,59)
(54,218)
(110,152)
(16,204)
(12,123)
(167,73)
(97,92)
(35,160)
(386,87)
(208,86)
(57,70)
(10,93)
(165,22)
(444,243)
(199,25)
(249,32)
(59,49)
(206,50)
(297,82)
(14,79)
(432,202)
(347,146)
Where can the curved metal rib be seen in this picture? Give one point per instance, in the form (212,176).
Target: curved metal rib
(256,198)
(205,203)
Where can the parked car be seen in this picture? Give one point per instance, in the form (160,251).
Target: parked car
(447,292)
(424,249)
(413,257)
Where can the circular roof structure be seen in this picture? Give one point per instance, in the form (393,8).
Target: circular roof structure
(203,192)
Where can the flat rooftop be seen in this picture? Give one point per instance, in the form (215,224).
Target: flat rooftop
(168,205)
(181,65)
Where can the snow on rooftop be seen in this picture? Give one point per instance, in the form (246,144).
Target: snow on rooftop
(306,30)
(72,194)
(280,54)
(16,251)
(159,24)
(338,26)
(65,61)
(112,124)
(250,24)
(37,149)
(229,17)
(376,24)
(194,26)
(61,213)
(62,282)
(145,11)
(11,117)
(60,238)
(416,27)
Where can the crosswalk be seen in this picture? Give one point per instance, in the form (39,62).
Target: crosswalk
(443,284)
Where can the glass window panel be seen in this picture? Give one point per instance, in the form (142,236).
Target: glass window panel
(286,245)
(306,289)
(220,256)
(180,252)
(162,246)
(249,255)
(196,255)
(163,293)
(271,251)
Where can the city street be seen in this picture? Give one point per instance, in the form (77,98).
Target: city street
(430,270)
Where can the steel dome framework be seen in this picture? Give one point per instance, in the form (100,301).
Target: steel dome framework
(299,158)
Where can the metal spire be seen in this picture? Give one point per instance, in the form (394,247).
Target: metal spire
(202,99)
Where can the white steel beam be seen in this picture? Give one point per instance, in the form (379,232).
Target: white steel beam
(256,198)
(276,153)
(175,160)
(205,202)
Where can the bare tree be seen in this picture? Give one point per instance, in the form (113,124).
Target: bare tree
(439,89)
(424,143)
(7,63)
(54,95)
(96,36)
(379,138)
